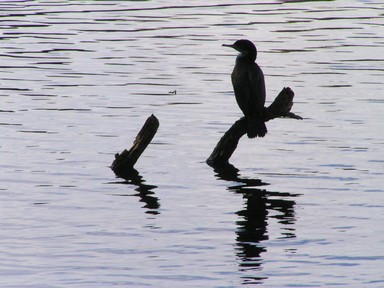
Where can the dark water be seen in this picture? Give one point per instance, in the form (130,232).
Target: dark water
(79,78)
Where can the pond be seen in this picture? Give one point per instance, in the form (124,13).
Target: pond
(79,78)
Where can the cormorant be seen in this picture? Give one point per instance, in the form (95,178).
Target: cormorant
(249,86)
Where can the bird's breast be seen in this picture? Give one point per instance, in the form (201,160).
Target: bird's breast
(239,77)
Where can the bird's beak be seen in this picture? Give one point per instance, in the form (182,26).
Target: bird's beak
(227,45)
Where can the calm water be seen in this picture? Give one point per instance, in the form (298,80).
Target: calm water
(79,78)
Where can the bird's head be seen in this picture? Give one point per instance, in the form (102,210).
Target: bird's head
(246,48)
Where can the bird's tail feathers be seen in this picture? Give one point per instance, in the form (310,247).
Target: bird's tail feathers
(256,128)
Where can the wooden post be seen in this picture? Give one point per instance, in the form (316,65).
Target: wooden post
(124,162)
(224,149)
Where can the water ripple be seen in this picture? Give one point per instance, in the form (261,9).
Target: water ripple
(77,80)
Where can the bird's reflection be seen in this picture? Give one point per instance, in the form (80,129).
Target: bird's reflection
(251,231)
(253,220)
(145,192)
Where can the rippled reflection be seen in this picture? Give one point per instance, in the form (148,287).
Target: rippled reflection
(145,194)
(254,217)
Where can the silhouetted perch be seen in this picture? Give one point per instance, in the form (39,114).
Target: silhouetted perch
(280,107)
(124,162)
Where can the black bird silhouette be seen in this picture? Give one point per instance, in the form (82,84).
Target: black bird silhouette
(249,86)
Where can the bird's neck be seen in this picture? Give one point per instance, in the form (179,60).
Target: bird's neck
(242,59)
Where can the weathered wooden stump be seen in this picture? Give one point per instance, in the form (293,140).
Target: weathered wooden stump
(124,162)
(224,149)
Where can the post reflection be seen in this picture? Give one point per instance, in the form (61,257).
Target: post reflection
(145,192)
(260,206)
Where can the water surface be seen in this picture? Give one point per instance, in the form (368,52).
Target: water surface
(79,78)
